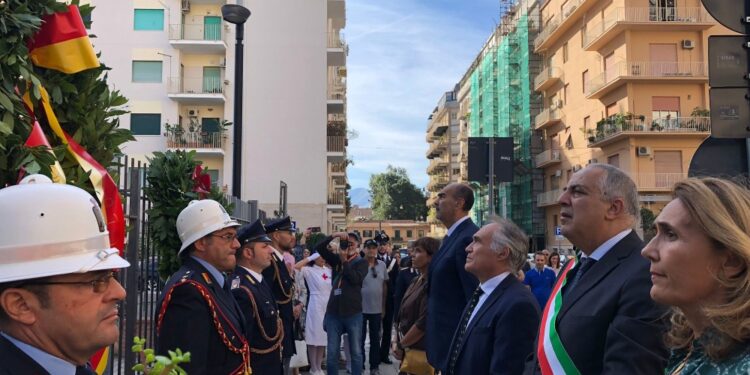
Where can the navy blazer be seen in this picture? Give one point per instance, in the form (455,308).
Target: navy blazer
(449,289)
(608,323)
(501,336)
(13,361)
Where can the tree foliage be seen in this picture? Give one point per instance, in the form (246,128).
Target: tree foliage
(83,102)
(170,189)
(395,197)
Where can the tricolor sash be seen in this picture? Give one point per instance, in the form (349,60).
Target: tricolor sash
(553,359)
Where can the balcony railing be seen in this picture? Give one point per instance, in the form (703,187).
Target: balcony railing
(336,143)
(546,117)
(203,140)
(548,198)
(197,32)
(548,29)
(336,40)
(337,198)
(547,77)
(651,15)
(196,85)
(337,167)
(657,181)
(617,125)
(647,69)
(336,91)
(547,157)
(436,164)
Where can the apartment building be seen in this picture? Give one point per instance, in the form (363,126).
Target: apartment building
(443,133)
(401,232)
(625,82)
(174,60)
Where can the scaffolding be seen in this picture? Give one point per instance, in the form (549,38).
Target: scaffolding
(504,104)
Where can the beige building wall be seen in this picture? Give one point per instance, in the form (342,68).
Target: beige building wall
(638,61)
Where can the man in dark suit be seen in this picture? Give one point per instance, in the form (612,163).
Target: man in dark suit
(282,232)
(255,297)
(58,296)
(607,322)
(392,268)
(497,328)
(449,285)
(197,312)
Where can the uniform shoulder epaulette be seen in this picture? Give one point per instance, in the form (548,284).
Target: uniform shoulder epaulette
(186,275)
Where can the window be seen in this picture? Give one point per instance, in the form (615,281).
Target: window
(569,142)
(565,52)
(409,233)
(585,80)
(148,19)
(420,233)
(214,174)
(397,234)
(147,71)
(366,234)
(145,123)
(667,168)
(565,94)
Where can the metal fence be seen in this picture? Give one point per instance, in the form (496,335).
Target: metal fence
(141,280)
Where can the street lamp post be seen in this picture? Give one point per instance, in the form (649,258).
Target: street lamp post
(237,14)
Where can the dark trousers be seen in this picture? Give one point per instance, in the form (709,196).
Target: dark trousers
(385,342)
(372,321)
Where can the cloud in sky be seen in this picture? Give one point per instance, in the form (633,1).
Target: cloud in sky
(403,55)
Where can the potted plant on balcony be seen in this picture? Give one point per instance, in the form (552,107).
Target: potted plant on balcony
(174,134)
(589,134)
(699,119)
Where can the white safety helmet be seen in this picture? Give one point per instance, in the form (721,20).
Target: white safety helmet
(201,218)
(52,229)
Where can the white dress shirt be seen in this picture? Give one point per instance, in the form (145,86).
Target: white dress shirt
(256,275)
(604,248)
(456,224)
(487,288)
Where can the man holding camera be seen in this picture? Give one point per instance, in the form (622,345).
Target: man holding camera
(344,311)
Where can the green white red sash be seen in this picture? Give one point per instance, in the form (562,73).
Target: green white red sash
(553,359)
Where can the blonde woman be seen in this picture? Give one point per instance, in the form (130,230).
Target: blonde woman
(699,266)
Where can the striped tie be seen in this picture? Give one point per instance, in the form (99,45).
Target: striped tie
(462,329)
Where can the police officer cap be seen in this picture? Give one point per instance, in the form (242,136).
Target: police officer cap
(382,238)
(355,235)
(284,224)
(371,243)
(254,232)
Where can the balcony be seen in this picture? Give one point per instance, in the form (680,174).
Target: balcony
(547,78)
(570,13)
(437,182)
(547,158)
(336,200)
(437,147)
(547,118)
(198,39)
(630,71)
(336,146)
(437,164)
(617,128)
(337,49)
(646,19)
(336,169)
(337,13)
(202,143)
(656,181)
(197,90)
(336,97)
(548,198)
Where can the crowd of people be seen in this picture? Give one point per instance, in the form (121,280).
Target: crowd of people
(467,304)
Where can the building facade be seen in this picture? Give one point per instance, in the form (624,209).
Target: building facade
(443,136)
(399,231)
(624,82)
(175,61)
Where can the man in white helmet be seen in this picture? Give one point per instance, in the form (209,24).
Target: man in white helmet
(197,312)
(58,293)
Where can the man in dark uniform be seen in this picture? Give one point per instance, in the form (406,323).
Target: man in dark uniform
(197,312)
(255,297)
(58,294)
(392,268)
(282,232)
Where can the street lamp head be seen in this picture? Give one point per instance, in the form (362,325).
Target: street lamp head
(236,14)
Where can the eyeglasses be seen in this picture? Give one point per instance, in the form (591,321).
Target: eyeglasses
(374,273)
(99,285)
(228,237)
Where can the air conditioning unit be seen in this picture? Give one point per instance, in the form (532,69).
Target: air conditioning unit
(558,173)
(576,168)
(643,151)
(193,112)
(688,44)
(185,6)
(592,161)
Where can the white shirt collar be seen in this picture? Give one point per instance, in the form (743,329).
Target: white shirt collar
(52,364)
(456,224)
(490,284)
(212,270)
(279,255)
(604,248)
(256,275)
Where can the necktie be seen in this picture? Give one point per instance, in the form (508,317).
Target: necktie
(84,370)
(461,332)
(584,266)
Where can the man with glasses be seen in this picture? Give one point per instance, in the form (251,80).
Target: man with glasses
(344,310)
(282,233)
(197,312)
(58,293)
(373,302)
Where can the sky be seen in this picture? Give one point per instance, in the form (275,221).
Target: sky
(403,55)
